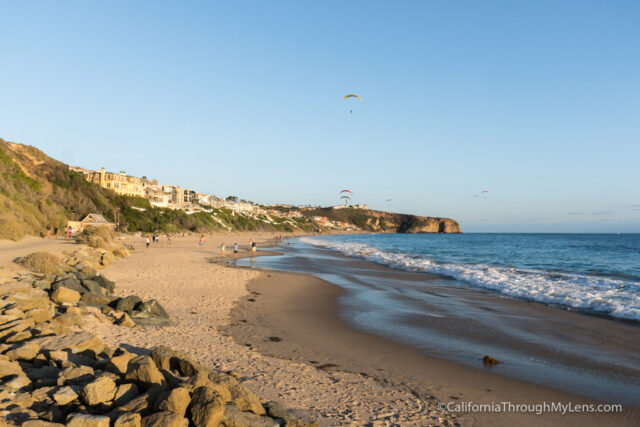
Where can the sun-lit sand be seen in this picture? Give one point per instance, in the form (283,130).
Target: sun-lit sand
(199,295)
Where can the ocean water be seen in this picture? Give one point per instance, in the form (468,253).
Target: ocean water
(460,297)
(596,273)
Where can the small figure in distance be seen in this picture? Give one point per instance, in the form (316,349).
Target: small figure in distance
(235,250)
(201,243)
(148,242)
(222,250)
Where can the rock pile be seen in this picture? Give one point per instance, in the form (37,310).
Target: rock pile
(53,373)
(80,284)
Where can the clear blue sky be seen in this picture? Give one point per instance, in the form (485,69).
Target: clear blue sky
(537,102)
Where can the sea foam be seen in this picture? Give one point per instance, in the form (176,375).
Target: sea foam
(601,295)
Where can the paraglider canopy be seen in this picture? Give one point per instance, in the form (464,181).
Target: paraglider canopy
(351,96)
(346,191)
(345,197)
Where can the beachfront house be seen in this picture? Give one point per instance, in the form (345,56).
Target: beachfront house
(94,219)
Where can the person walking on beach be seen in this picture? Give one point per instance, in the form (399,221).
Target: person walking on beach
(148,242)
(254,247)
(222,250)
(235,250)
(201,242)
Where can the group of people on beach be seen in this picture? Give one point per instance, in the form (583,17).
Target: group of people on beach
(53,232)
(253,245)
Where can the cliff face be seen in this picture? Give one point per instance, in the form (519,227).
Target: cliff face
(387,222)
(420,224)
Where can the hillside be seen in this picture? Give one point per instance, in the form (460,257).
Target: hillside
(36,191)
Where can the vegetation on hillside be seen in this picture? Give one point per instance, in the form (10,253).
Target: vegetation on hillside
(36,191)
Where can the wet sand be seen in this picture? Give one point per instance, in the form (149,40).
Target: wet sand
(301,313)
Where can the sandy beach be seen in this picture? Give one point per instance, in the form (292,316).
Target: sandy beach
(200,295)
(281,333)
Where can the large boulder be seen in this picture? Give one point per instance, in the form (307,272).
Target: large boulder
(165,419)
(151,308)
(69,283)
(207,407)
(40,315)
(142,404)
(87,420)
(235,417)
(118,364)
(76,375)
(143,371)
(125,394)
(25,351)
(77,342)
(101,390)
(40,423)
(175,360)
(65,395)
(63,294)
(95,300)
(92,286)
(13,287)
(68,319)
(24,301)
(176,401)
(15,326)
(245,399)
(10,368)
(127,303)
(128,419)
(108,285)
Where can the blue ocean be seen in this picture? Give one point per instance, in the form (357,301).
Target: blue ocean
(597,273)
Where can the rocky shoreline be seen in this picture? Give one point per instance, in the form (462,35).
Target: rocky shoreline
(55,373)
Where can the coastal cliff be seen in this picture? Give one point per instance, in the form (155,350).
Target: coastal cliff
(385,222)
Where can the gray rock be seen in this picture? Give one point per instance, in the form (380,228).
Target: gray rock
(276,410)
(43,284)
(92,286)
(105,283)
(35,374)
(69,283)
(127,303)
(96,300)
(152,308)
(235,417)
